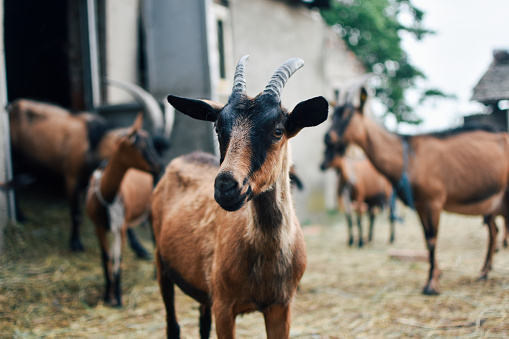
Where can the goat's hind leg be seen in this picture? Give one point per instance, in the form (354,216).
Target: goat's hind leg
(136,245)
(492,244)
(205,321)
(167,286)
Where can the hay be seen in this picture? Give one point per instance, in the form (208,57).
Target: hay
(47,291)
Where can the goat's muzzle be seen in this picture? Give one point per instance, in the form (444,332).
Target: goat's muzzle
(229,194)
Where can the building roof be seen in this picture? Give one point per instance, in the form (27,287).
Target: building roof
(494,84)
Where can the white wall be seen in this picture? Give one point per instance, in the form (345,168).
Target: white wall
(121,46)
(272,32)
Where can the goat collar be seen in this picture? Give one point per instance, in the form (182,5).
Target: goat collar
(403,187)
(98,174)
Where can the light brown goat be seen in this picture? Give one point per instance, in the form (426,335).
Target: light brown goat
(119,196)
(70,145)
(463,170)
(245,251)
(361,188)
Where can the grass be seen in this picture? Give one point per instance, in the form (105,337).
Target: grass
(46,291)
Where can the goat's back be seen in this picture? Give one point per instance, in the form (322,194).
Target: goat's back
(184,214)
(373,182)
(48,135)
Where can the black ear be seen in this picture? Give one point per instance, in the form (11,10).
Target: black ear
(196,109)
(307,113)
(363,96)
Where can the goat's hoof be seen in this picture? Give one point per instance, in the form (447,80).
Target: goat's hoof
(361,244)
(143,254)
(482,277)
(506,243)
(350,242)
(77,247)
(429,290)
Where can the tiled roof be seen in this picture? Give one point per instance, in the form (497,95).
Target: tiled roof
(494,84)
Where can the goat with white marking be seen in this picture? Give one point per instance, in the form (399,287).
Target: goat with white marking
(72,146)
(119,197)
(245,251)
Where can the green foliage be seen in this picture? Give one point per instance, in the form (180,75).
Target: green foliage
(372,29)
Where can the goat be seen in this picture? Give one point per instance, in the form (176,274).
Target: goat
(119,197)
(463,170)
(245,251)
(361,188)
(72,146)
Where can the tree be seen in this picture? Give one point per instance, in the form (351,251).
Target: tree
(372,30)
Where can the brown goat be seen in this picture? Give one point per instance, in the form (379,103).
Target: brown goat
(71,145)
(360,188)
(463,170)
(119,196)
(245,251)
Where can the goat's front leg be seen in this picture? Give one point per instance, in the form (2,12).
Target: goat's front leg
(136,245)
(277,322)
(205,321)
(225,319)
(371,214)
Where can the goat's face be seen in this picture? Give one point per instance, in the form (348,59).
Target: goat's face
(253,135)
(334,150)
(137,150)
(345,119)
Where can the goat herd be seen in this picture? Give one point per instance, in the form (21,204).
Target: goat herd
(225,230)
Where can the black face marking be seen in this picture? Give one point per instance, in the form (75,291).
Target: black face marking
(146,147)
(263,115)
(342,117)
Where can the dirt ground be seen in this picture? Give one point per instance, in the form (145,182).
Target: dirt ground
(48,292)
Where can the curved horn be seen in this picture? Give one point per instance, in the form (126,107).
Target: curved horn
(169,114)
(281,76)
(149,103)
(239,79)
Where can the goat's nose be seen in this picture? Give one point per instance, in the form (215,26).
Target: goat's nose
(225,183)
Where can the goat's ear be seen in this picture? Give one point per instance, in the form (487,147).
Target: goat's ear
(363,97)
(138,122)
(198,109)
(307,113)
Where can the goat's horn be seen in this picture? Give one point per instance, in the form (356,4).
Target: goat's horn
(149,103)
(281,76)
(239,80)
(169,114)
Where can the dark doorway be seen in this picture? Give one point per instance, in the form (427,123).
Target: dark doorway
(37,51)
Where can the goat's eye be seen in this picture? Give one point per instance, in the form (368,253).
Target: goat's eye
(278,133)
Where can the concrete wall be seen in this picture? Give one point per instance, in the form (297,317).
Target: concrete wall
(272,32)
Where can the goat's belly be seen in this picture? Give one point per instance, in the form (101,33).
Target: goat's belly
(489,205)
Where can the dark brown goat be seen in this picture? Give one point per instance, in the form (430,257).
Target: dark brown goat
(119,197)
(361,188)
(71,145)
(464,170)
(245,251)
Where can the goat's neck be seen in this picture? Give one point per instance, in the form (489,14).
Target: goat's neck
(383,148)
(111,179)
(272,212)
(108,143)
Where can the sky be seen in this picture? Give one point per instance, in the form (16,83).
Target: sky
(455,58)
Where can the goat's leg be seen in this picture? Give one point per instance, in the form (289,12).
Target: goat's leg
(205,321)
(359,227)
(350,229)
(371,214)
(429,218)
(277,321)
(167,287)
(225,319)
(101,233)
(136,245)
(506,232)
(74,195)
(492,244)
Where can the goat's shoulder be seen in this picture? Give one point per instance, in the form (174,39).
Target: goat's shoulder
(195,167)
